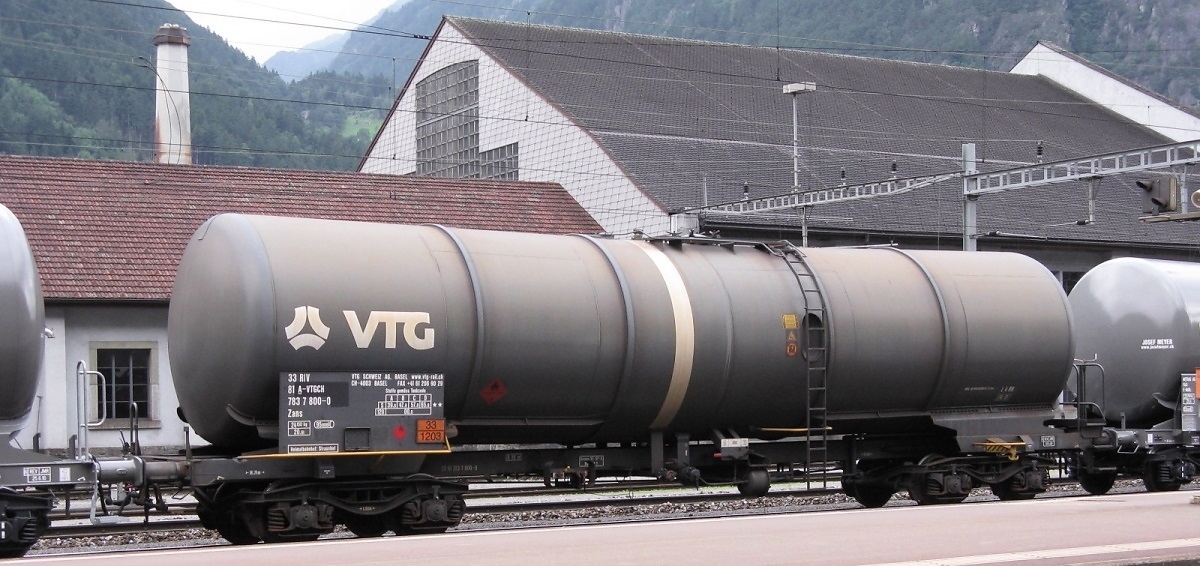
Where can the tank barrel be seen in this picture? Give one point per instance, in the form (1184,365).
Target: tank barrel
(535,338)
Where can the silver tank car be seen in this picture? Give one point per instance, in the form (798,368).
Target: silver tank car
(22,324)
(1138,318)
(574,339)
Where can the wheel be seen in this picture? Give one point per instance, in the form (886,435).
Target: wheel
(576,479)
(365,526)
(1152,480)
(919,492)
(923,498)
(871,496)
(42,520)
(13,551)
(273,538)
(236,532)
(756,483)
(411,530)
(208,518)
(1098,483)
(1004,490)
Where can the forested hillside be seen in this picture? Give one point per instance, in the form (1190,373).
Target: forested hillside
(77,79)
(1153,42)
(76,76)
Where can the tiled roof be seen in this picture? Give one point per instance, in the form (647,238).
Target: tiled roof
(692,122)
(109,230)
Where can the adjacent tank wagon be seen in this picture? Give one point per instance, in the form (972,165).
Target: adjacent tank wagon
(1138,318)
(22,324)
(27,478)
(1137,322)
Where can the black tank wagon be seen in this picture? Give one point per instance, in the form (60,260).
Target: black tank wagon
(346,370)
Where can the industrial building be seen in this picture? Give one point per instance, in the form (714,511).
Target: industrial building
(640,128)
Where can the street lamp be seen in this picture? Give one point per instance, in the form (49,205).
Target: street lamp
(796,89)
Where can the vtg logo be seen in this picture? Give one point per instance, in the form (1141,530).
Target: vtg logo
(311,317)
(393,323)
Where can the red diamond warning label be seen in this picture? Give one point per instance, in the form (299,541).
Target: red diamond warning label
(493,392)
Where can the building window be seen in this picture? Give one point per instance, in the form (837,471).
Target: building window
(129,378)
(447,106)
(500,163)
(1069,279)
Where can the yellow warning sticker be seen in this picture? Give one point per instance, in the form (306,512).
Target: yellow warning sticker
(791,322)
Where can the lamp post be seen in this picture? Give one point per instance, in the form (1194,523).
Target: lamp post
(795,89)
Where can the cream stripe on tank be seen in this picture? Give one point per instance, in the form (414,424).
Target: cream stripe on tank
(685,335)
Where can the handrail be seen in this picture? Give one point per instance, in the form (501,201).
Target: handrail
(82,402)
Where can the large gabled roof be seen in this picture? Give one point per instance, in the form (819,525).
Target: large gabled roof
(1126,83)
(692,121)
(108,230)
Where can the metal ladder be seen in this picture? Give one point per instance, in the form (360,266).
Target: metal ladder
(816,350)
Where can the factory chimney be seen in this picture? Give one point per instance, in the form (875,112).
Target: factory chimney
(172,107)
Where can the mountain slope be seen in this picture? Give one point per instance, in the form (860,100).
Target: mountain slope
(1152,42)
(77,79)
(76,76)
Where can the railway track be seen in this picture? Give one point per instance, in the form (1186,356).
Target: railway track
(481,500)
(182,532)
(496,501)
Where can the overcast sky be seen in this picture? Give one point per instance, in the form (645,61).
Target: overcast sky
(231,19)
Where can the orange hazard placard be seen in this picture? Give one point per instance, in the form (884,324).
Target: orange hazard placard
(430,431)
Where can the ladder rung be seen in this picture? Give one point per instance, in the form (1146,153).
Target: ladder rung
(816,447)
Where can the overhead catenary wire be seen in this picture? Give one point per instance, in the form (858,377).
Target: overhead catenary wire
(382,31)
(841,132)
(662,66)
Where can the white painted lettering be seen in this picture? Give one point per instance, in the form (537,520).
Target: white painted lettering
(365,333)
